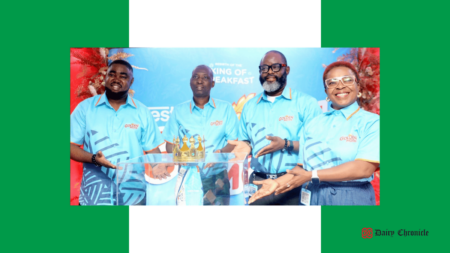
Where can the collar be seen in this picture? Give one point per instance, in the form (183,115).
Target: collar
(348,111)
(287,93)
(103,100)
(211,103)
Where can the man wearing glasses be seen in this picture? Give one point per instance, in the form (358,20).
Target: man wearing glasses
(270,125)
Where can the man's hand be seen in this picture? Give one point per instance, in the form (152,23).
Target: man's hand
(268,187)
(100,158)
(300,177)
(240,148)
(160,171)
(276,144)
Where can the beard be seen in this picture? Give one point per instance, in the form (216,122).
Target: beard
(275,86)
(115,95)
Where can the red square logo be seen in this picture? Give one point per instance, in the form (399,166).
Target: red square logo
(366,233)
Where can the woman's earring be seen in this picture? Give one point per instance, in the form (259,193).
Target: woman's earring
(327,99)
(359,94)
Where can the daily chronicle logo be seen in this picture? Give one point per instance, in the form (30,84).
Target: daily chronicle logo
(368,233)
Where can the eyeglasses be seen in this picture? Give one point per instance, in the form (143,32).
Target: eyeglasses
(346,81)
(275,67)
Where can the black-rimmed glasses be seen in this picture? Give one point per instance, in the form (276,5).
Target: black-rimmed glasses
(275,67)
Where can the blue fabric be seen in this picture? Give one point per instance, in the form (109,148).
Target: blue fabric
(162,194)
(285,117)
(216,123)
(342,193)
(340,136)
(120,135)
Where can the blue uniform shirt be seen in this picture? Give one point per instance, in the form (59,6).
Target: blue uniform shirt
(340,136)
(120,135)
(216,123)
(283,118)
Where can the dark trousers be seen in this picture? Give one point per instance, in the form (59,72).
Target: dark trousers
(221,192)
(342,193)
(288,198)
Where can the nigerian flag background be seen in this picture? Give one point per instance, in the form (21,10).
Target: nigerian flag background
(37,36)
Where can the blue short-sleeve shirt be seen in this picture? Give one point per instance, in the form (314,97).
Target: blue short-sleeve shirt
(340,136)
(120,135)
(283,118)
(217,123)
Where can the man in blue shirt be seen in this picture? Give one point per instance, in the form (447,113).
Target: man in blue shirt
(112,127)
(270,125)
(212,119)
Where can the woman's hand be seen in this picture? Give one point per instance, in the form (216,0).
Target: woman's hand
(300,177)
(268,187)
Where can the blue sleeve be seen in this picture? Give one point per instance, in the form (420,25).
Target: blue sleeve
(171,128)
(78,123)
(311,111)
(151,137)
(369,145)
(243,135)
(232,127)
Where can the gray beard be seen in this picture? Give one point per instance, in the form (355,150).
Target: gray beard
(271,87)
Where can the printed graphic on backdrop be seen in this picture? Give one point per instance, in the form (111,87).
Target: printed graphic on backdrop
(163,77)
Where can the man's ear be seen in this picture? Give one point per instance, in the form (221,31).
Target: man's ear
(288,69)
(213,83)
(132,80)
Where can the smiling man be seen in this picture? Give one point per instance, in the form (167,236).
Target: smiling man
(270,125)
(112,127)
(212,119)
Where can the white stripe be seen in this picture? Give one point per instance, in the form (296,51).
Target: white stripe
(226,23)
(224,229)
(232,23)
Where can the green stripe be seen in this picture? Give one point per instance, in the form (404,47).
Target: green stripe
(35,190)
(414,132)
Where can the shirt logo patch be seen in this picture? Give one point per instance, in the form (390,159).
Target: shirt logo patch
(349,138)
(217,123)
(286,118)
(132,126)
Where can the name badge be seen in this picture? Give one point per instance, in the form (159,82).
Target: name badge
(305,197)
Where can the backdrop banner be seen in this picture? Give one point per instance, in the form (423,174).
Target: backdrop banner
(162,75)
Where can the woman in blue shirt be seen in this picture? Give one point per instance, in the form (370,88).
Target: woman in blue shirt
(339,149)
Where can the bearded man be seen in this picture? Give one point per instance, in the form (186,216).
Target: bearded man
(112,127)
(270,125)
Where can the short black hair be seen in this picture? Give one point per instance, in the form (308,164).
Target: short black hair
(207,67)
(278,52)
(122,62)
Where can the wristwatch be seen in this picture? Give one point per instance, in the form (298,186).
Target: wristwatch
(248,143)
(285,145)
(291,146)
(94,161)
(315,177)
